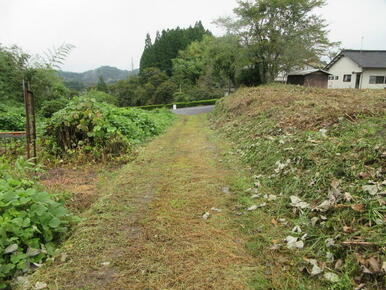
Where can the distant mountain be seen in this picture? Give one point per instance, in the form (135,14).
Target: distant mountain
(110,74)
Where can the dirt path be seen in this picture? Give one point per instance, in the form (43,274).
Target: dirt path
(147,231)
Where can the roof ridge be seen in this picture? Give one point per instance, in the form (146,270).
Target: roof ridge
(363,50)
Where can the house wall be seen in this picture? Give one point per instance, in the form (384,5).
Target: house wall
(373,72)
(343,67)
(316,79)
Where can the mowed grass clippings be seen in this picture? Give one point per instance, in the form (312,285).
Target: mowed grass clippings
(319,159)
(147,231)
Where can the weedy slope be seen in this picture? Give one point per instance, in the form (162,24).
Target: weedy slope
(319,160)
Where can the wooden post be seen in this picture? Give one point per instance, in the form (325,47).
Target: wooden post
(27,120)
(30,121)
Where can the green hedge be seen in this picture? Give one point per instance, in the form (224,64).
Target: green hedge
(181,104)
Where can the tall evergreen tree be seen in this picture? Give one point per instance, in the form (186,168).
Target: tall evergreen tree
(167,44)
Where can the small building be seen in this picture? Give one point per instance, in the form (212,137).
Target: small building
(309,78)
(360,69)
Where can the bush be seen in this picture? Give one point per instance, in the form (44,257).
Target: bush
(181,104)
(86,126)
(50,107)
(31,221)
(12,117)
(101,97)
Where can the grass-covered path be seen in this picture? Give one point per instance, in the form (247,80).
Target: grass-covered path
(147,230)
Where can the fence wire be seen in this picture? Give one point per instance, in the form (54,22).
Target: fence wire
(12,143)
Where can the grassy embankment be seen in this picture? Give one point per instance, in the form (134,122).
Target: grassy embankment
(319,160)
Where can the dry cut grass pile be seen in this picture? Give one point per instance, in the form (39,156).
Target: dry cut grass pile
(302,108)
(318,157)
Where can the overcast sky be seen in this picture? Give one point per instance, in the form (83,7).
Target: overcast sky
(112,32)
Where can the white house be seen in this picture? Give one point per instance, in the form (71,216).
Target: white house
(360,69)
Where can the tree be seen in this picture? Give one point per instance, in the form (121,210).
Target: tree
(101,85)
(279,34)
(165,92)
(191,63)
(167,44)
(12,64)
(225,57)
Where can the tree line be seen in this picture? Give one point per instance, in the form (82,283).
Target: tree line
(263,38)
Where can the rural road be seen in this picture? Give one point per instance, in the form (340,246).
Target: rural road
(193,110)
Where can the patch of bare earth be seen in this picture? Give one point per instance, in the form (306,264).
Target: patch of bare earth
(147,230)
(79,182)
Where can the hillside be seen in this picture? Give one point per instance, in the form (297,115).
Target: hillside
(88,78)
(319,163)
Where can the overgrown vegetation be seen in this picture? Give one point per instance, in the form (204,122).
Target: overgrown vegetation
(12,118)
(319,160)
(32,222)
(181,104)
(86,127)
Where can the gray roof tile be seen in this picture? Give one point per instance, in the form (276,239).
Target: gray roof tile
(367,58)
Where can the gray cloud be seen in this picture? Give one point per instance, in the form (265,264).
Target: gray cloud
(112,32)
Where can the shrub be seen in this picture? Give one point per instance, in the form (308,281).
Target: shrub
(31,221)
(52,106)
(12,117)
(181,104)
(89,127)
(101,97)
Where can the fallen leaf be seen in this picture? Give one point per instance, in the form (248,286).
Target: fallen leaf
(32,252)
(360,259)
(296,229)
(216,209)
(316,270)
(283,221)
(329,242)
(364,175)
(226,190)
(348,196)
(11,248)
(275,222)
(323,132)
(206,215)
(303,237)
(294,243)
(332,277)
(252,208)
(314,220)
(272,197)
(40,285)
(358,207)
(330,257)
(348,229)
(371,189)
(374,264)
(335,183)
(297,202)
(324,206)
(338,264)
(360,286)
